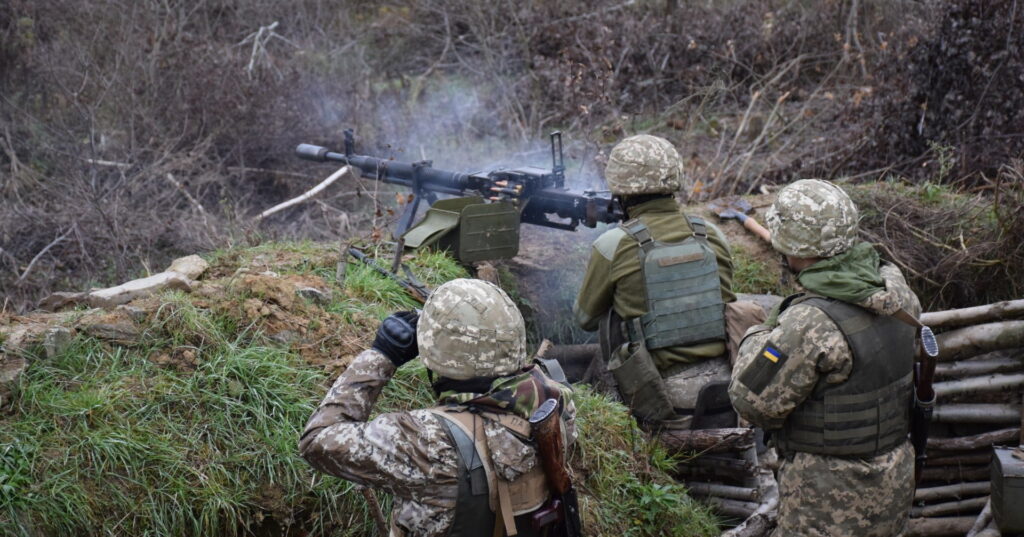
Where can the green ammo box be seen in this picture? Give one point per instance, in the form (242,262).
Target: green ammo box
(1008,489)
(472,229)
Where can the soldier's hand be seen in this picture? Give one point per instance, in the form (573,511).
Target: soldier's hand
(396,337)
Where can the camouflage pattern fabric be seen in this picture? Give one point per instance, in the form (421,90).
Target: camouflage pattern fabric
(407,454)
(812,218)
(613,278)
(471,328)
(643,164)
(824,495)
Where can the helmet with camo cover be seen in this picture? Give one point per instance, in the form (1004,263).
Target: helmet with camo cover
(812,218)
(643,164)
(471,328)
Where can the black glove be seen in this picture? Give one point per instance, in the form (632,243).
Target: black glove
(396,337)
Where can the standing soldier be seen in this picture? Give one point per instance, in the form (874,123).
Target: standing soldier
(667,277)
(830,373)
(468,466)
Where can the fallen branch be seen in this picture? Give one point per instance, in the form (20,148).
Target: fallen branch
(979,314)
(952,474)
(982,521)
(195,203)
(977,413)
(949,508)
(957,490)
(978,441)
(939,527)
(724,491)
(708,440)
(961,460)
(309,193)
(989,383)
(28,269)
(735,508)
(970,368)
(979,339)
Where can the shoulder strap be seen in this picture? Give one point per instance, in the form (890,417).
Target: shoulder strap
(553,369)
(636,229)
(700,227)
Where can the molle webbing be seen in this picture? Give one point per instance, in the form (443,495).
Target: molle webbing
(868,414)
(682,287)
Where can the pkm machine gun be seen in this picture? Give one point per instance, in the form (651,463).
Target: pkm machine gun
(483,221)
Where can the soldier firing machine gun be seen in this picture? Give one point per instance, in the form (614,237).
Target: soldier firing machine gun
(484,222)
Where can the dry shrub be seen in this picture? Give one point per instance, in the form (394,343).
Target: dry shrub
(957,250)
(950,107)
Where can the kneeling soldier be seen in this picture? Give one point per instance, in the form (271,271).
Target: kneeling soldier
(468,466)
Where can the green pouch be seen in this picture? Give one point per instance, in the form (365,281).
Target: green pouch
(640,383)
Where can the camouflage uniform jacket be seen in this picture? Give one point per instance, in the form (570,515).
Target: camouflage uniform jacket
(407,454)
(613,278)
(824,495)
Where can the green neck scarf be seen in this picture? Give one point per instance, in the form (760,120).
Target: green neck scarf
(851,276)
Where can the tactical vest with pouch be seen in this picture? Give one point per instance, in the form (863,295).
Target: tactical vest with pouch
(487,504)
(869,413)
(682,287)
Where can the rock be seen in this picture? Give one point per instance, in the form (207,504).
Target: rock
(320,296)
(285,337)
(191,266)
(136,313)
(117,330)
(56,340)
(128,291)
(11,369)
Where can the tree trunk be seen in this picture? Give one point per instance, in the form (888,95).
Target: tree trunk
(708,440)
(957,490)
(979,339)
(979,314)
(972,368)
(978,441)
(940,527)
(977,413)
(950,508)
(988,383)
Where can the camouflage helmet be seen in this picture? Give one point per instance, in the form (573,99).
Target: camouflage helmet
(812,218)
(643,164)
(471,328)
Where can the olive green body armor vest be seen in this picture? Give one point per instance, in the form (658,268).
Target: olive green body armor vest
(682,287)
(869,413)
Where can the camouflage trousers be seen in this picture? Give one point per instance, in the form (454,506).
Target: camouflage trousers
(822,496)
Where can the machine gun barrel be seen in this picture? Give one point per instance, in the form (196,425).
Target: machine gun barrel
(393,171)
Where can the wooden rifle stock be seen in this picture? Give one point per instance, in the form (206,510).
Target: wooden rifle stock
(547,432)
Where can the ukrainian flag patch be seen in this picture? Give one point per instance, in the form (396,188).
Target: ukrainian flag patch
(771,354)
(759,373)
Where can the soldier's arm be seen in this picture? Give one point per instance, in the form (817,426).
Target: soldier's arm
(720,245)
(598,288)
(337,440)
(777,369)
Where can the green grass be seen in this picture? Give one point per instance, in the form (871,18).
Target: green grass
(103,441)
(750,275)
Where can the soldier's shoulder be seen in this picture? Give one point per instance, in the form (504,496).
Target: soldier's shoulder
(609,241)
(804,319)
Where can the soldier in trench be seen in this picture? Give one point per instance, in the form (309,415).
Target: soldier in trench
(659,289)
(468,466)
(829,374)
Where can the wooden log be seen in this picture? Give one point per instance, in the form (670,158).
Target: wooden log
(978,441)
(708,440)
(958,507)
(970,368)
(951,474)
(966,459)
(939,527)
(710,469)
(763,521)
(977,413)
(979,339)
(723,491)
(982,521)
(956,490)
(971,385)
(736,508)
(1008,309)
